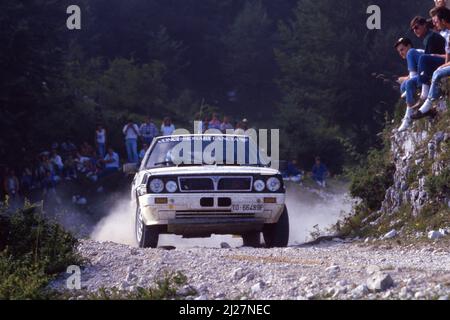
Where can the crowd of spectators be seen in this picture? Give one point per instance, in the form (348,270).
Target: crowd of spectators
(67,161)
(427,66)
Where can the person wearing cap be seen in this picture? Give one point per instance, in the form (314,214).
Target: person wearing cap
(409,84)
(434,54)
(441,19)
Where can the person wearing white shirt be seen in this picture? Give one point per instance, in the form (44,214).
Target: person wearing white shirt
(131,132)
(167,128)
(100,140)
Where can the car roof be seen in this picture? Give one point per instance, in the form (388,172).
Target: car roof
(204,135)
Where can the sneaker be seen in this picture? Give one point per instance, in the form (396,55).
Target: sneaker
(419,115)
(405,125)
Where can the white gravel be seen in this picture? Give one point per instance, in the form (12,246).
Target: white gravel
(330,270)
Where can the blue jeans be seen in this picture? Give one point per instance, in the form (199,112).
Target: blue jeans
(412,59)
(438,75)
(101,150)
(132,153)
(410,86)
(427,65)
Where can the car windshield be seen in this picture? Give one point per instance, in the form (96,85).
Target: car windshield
(205,150)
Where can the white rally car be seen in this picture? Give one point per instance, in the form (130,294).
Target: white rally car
(199,185)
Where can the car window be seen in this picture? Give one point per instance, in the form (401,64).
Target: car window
(204,150)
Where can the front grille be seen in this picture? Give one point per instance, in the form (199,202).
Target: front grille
(196,184)
(215,184)
(235,184)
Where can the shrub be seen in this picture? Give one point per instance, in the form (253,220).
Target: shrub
(370,181)
(34,250)
(438,186)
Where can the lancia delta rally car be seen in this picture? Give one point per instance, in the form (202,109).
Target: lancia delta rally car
(199,185)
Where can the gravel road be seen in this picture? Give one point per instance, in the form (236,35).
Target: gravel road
(329,270)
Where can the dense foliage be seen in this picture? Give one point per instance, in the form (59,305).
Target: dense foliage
(305,67)
(32,251)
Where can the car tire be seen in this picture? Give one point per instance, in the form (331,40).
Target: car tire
(146,236)
(277,235)
(252,239)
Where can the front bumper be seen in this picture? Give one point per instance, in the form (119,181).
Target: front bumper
(183,214)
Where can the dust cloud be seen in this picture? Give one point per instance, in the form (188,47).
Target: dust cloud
(308,208)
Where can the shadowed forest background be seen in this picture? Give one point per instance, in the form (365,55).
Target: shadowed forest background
(308,67)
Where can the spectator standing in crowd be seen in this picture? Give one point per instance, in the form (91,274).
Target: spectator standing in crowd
(148,131)
(239,130)
(131,132)
(226,125)
(245,124)
(100,140)
(319,173)
(111,163)
(26,181)
(11,184)
(205,124)
(215,122)
(57,162)
(167,128)
(409,84)
(441,19)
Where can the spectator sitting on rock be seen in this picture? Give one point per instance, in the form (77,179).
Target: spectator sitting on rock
(111,163)
(167,127)
(319,173)
(433,57)
(409,84)
(441,18)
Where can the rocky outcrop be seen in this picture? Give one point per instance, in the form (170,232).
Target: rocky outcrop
(418,154)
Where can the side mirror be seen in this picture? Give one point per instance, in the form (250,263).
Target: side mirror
(130,168)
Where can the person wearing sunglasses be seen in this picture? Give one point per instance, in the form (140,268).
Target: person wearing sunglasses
(441,19)
(434,55)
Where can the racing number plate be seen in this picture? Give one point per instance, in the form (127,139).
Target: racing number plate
(247,208)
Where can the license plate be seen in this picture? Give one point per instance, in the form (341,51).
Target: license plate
(242,208)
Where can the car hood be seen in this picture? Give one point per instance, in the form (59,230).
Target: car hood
(212,170)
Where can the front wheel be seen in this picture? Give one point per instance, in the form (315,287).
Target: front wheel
(146,236)
(277,235)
